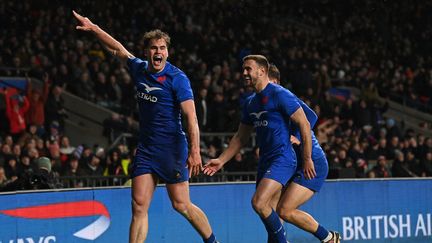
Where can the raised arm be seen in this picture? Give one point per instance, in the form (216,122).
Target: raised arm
(111,44)
(194,159)
(237,141)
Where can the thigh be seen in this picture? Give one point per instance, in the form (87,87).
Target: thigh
(294,196)
(276,197)
(266,190)
(143,187)
(179,192)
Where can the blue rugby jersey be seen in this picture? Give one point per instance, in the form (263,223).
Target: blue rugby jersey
(311,116)
(269,112)
(159,96)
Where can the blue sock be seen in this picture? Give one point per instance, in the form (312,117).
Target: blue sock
(211,239)
(275,228)
(269,239)
(269,236)
(321,233)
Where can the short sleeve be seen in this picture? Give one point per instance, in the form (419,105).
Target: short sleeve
(136,65)
(310,114)
(288,102)
(182,88)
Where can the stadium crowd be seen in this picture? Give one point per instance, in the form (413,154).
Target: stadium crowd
(378,47)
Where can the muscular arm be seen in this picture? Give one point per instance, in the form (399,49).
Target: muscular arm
(111,44)
(237,141)
(300,119)
(188,108)
(194,162)
(240,138)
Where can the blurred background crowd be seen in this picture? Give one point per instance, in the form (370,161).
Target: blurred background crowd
(379,48)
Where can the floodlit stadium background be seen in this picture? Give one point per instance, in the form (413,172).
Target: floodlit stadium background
(363,66)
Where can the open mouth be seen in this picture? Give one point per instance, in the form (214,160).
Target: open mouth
(157,59)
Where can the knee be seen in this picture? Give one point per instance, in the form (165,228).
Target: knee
(258,205)
(181,208)
(139,207)
(285,213)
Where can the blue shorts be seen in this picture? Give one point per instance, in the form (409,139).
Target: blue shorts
(315,184)
(280,169)
(167,161)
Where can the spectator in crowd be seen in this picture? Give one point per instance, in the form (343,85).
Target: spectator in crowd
(114,164)
(4,126)
(85,87)
(400,167)
(11,168)
(16,109)
(252,158)
(84,155)
(25,164)
(31,133)
(54,107)
(66,149)
(40,148)
(93,166)
(218,118)
(236,164)
(361,168)
(381,169)
(41,178)
(209,152)
(16,152)
(201,106)
(427,164)
(114,94)
(101,90)
(3,179)
(117,124)
(73,169)
(37,98)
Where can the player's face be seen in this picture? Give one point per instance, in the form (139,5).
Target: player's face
(157,54)
(251,72)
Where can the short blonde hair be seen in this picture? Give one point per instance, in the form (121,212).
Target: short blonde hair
(259,59)
(156,34)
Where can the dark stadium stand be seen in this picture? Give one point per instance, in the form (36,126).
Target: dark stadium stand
(363,66)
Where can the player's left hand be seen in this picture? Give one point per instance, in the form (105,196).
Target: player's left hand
(194,164)
(309,169)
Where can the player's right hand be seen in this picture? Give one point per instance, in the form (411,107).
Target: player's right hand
(212,166)
(85,23)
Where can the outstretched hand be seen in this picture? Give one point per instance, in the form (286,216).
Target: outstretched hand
(85,23)
(212,166)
